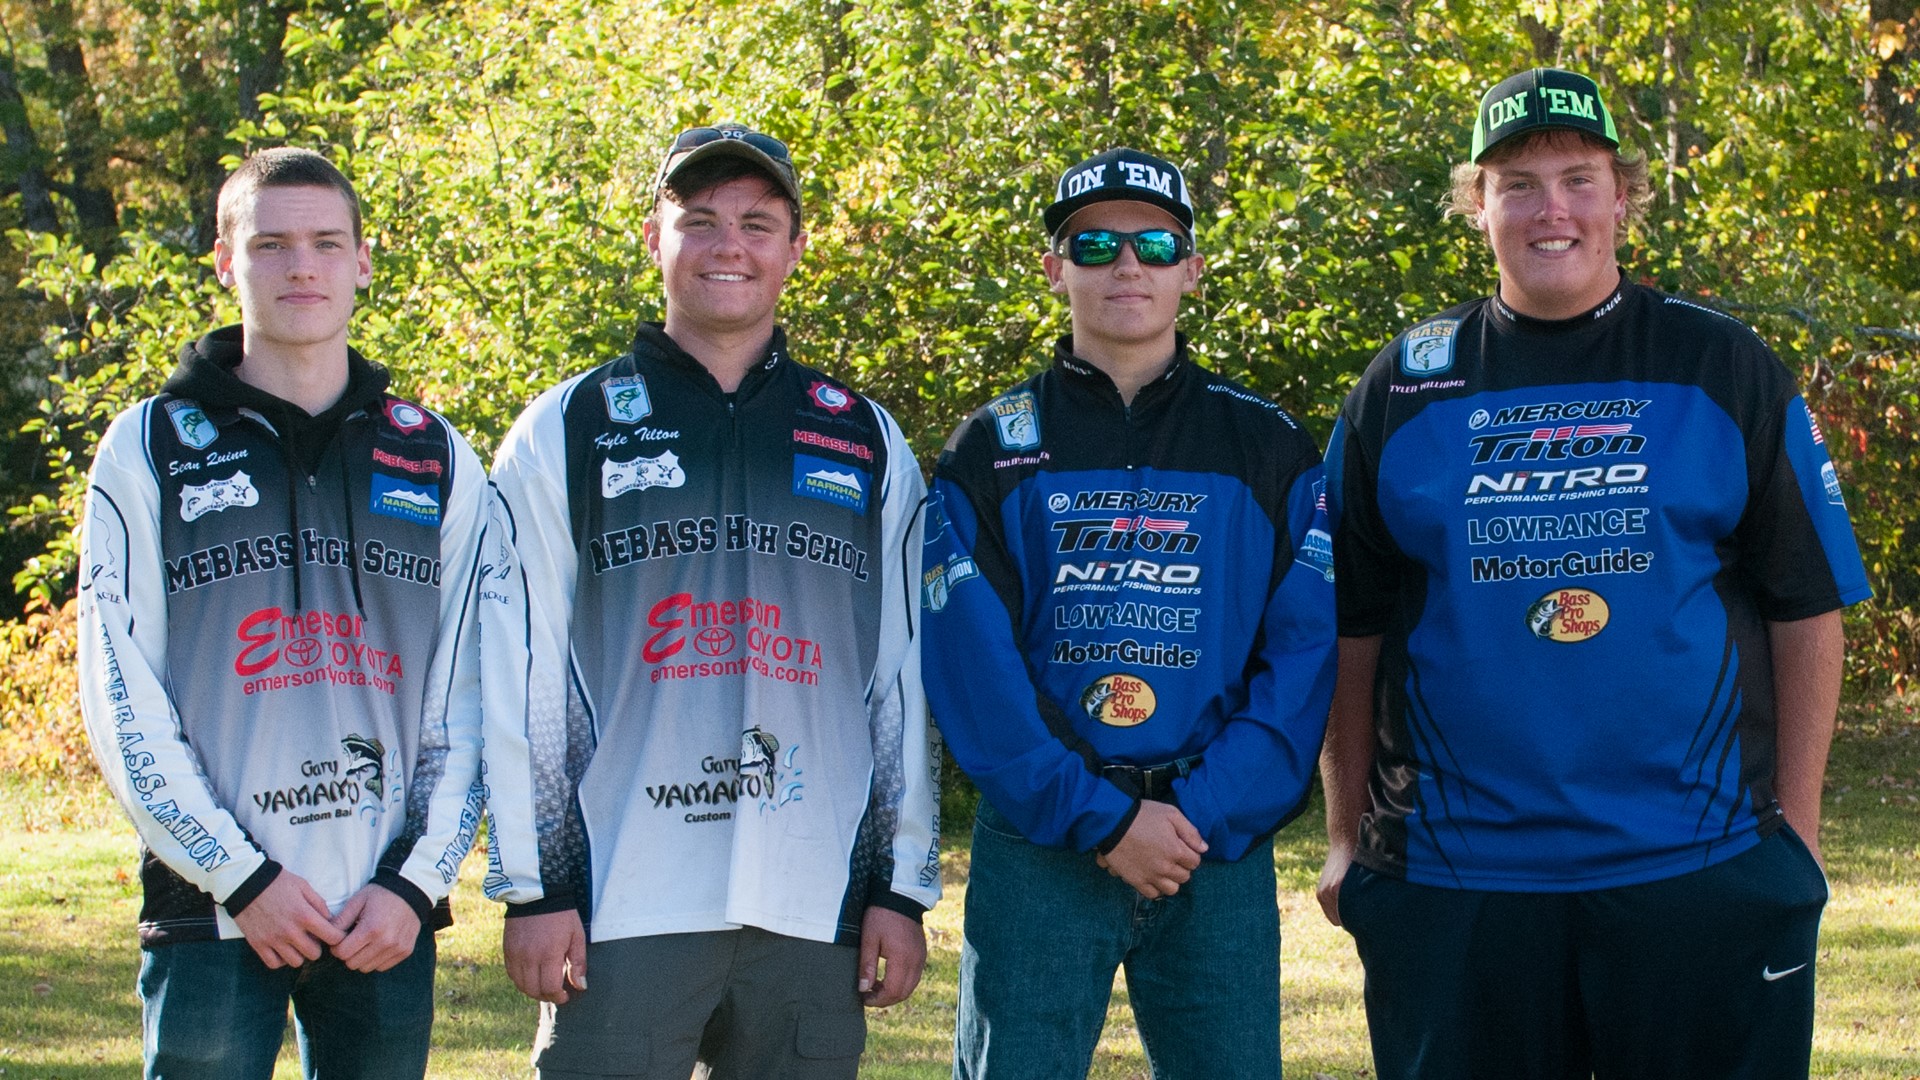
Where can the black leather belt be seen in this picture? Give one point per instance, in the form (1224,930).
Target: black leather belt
(1150,781)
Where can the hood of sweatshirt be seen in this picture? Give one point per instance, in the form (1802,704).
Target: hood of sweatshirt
(209,373)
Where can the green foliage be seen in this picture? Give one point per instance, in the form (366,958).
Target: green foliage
(506,150)
(40,731)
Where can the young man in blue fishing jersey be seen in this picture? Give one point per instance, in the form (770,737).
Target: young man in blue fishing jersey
(1129,647)
(1592,559)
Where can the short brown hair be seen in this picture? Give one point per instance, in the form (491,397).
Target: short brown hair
(706,175)
(1468,195)
(283,166)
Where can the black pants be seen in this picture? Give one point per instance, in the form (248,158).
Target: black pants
(1705,976)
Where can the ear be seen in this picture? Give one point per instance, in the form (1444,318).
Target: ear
(1195,265)
(794,251)
(1055,268)
(223,263)
(363,264)
(650,232)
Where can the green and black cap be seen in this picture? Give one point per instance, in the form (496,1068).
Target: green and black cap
(1541,98)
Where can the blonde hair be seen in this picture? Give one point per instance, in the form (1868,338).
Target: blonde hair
(1468,195)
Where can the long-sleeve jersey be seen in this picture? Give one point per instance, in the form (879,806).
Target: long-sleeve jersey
(1570,537)
(1136,585)
(703,691)
(278,663)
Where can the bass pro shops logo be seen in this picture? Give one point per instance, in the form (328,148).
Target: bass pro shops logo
(1568,615)
(1119,700)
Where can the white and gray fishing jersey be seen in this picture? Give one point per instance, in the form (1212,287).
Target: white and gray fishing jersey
(278,662)
(702,678)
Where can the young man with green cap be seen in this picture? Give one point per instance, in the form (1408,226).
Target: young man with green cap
(711,772)
(1592,558)
(1129,647)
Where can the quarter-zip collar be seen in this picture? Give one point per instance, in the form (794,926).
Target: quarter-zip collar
(1083,377)
(1605,312)
(652,338)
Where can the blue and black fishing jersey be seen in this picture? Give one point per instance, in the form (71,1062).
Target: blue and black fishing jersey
(1133,585)
(1571,537)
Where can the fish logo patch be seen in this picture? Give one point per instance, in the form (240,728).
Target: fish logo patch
(191,425)
(1016,418)
(619,477)
(1427,350)
(627,400)
(199,500)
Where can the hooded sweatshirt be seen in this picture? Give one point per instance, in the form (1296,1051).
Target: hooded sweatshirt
(278,667)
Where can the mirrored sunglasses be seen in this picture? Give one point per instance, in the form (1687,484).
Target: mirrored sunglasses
(1153,247)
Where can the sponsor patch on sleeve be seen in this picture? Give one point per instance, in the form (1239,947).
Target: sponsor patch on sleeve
(627,400)
(939,581)
(396,498)
(830,481)
(1016,418)
(1427,350)
(191,424)
(409,418)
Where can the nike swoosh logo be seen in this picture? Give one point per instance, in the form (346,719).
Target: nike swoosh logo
(1771,975)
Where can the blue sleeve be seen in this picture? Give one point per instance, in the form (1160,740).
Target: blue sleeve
(983,695)
(1787,590)
(1256,771)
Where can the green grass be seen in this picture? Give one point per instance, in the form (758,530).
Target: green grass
(68,902)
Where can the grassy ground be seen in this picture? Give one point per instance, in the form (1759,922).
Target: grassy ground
(68,903)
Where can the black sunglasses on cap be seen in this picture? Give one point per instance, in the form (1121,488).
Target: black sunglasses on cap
(766,147)
(695,138)
(1153,247)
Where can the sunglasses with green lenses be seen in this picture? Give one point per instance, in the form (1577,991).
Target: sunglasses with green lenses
(1153,247)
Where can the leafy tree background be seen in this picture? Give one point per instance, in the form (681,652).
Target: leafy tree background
(506,151)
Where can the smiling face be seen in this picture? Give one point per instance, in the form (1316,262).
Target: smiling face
(1551,211)
(1122,311)
(295,264)
(725,253)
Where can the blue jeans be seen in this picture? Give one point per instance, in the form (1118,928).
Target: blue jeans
(1045,930)
(210,1010)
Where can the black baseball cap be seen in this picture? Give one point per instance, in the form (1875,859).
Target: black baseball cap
(1120,173)
(1541,98)
(731,140)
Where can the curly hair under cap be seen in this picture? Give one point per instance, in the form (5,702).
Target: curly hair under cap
(1468,195)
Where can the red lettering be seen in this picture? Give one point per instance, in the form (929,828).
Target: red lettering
(662,616)
(258,630)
